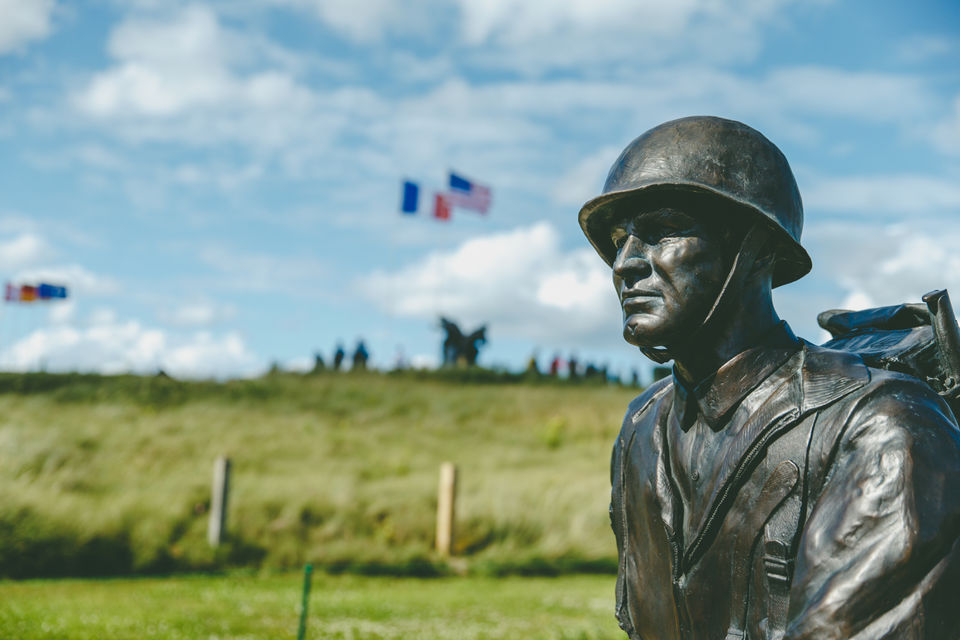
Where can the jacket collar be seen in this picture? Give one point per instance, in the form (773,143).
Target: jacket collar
(720,393)
(812,379)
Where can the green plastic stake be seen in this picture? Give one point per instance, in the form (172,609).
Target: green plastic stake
(307,572)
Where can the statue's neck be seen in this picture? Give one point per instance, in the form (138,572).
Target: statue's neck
(744,328)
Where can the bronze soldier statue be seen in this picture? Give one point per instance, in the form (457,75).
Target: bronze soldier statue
(769,488)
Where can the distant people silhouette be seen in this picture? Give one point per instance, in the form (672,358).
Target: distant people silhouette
(318,363)
(532,367)
(555,365)
(360,356)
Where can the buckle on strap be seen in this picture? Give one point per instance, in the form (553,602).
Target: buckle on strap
(777,563)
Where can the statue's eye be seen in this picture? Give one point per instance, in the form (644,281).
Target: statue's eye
(619,238)
(661,231)
(654,233)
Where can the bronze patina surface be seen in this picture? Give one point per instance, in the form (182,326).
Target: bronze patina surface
(769,488)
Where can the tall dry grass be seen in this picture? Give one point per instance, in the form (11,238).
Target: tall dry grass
(111,475)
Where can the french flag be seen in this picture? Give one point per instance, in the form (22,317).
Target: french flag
(410,202)
(467,194)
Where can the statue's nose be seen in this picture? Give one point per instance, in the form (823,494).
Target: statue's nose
(631,263)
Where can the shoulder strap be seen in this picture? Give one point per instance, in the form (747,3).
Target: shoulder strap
(782,530)
(776,502)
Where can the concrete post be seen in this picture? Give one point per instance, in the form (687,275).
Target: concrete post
(217,528)
(446,507)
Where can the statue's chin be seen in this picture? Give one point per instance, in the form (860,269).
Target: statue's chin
(639,336)
(639,332)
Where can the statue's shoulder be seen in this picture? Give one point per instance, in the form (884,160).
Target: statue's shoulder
(902,402)
(824,366)
(658,392)
(879,406)
(833,374)
(829,375)
(640,411)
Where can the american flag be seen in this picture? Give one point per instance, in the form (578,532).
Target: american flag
(466,194)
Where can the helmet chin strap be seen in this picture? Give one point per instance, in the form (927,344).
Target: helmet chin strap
(750,248)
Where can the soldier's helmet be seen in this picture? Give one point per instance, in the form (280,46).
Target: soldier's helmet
(708,156)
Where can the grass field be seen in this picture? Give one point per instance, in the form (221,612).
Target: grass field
(343,607)
(111,475)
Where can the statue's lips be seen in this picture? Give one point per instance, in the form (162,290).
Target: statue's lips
(637,298)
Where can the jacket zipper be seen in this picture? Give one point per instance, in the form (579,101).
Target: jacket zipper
(746,463)
(621,589)
(680,602)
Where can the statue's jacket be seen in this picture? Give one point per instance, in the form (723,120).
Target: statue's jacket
(831,512)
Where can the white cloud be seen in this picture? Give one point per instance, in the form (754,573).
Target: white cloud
(187,76)
(163,67)
(109,345)
(23,21)
(887,264)
(191,79)
(873,96)
(215,174)
(529,20)
(946,133)
(262,272)
(893,196)
(206,355)
(585,180)
(368,20)
(921,48)
(63,312)
(22,250)
(614,36)
(198,313)
(538,35)
(424,361)
(299,364)
(521,282)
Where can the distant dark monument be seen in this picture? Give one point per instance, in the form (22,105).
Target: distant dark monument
(767,487)
(458,348)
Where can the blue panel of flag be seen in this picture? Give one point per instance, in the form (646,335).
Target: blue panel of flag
(459,182)
(411,197)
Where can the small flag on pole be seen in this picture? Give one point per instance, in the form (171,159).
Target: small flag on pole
(467,194)
(441,207)
(33,293)
(411,198)
(50,291)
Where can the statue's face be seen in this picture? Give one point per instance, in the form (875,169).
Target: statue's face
(668,272)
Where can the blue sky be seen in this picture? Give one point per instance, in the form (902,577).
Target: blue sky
(218,182)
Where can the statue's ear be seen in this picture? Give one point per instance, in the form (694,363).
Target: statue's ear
(765,261)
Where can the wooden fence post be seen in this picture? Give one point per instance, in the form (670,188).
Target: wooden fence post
(217,528)
(446,499)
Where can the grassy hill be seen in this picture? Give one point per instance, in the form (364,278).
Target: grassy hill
(111,475)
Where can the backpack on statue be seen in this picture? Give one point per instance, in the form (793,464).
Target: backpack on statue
(922,340)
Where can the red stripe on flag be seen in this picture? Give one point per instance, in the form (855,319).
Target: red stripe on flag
(441,207)
(476,199)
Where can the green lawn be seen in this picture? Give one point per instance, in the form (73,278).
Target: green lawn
(346,607)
